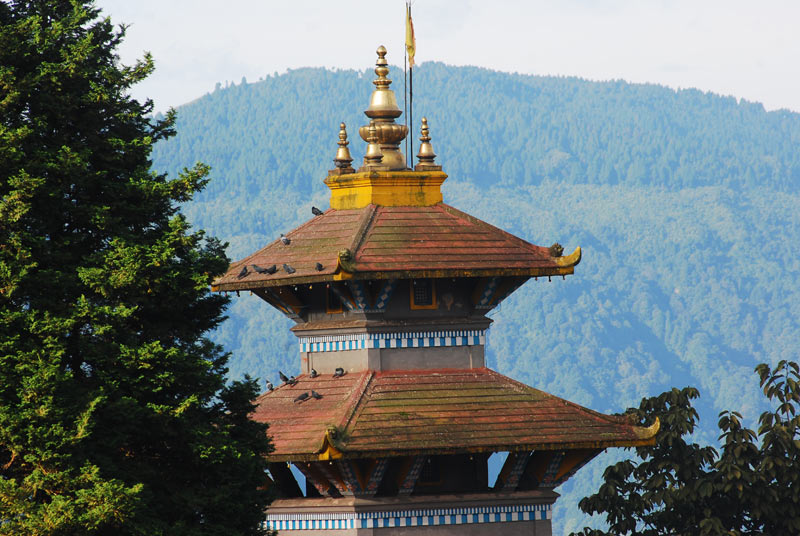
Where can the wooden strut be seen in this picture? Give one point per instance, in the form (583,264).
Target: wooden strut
(484,292)
(512,471)
(284,300)
(549,477)
(383,295)
(284,480)
(569,466)
(343,293)
(327,469)
(320,482)
(411,477)
(348,472)
(376,477)
(358,290)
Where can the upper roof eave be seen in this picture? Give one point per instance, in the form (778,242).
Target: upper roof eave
(395,274)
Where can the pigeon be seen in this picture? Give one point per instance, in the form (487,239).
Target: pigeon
(338,373)
(289,269)
(319,267)
(314,373)
(243,272)
(270,387)
(316,212)
(315,395)
(285,240)
(292,381)
(271,270)
(301,397)
(284,377)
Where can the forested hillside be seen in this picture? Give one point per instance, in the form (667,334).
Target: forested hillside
(685,203)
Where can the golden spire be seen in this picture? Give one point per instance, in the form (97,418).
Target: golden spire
(383,110)
(343,157)
(373,157)
(426,155)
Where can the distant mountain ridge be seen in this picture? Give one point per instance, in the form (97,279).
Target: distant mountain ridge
(533,129)
(686,204)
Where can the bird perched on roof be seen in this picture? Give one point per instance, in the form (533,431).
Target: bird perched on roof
(292,381)
(289,269)
(285,240)
(284,377)
(301,397)
(243,272)
(315,395)
(271,270)
(316,212)
(314,373)
(338,373)
(270,387)
(319,266)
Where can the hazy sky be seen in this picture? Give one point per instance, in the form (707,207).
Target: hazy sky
(747,49)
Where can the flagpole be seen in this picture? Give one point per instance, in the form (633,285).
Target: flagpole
(405,97)
(411,99)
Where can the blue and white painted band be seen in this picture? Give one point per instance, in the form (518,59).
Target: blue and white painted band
(408,518)
(360,341)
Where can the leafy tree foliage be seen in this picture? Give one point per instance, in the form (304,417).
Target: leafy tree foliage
(114,413)
(750,486)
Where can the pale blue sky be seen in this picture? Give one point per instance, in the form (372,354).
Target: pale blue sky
(743,48)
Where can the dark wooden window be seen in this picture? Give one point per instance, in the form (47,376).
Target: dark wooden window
(423,294)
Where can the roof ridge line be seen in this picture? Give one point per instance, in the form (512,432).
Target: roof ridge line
(361,390)
(366,222)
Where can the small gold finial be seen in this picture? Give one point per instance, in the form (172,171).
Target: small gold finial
(343,158)
(425,156)
(374,156)
(381,69)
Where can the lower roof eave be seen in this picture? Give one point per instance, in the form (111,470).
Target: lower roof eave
(343,453)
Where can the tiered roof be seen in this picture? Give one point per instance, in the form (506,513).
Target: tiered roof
(409,412)
(385,242)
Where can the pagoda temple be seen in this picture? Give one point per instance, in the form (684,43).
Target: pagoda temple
(394,415)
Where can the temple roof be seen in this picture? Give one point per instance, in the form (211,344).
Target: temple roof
(385,242)
(405,412)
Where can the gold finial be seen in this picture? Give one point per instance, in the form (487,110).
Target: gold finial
(383,110)
(425,156)
(343,157)
(374,155)
(381,69)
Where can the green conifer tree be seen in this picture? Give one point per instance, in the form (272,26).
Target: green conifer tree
(115,417)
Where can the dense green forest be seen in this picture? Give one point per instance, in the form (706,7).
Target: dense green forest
(686,205)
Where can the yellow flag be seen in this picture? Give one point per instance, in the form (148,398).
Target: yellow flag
(411,42)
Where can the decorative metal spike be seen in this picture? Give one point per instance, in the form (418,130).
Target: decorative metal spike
(426,154)
(374,155)
(343,158)
(381,69)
